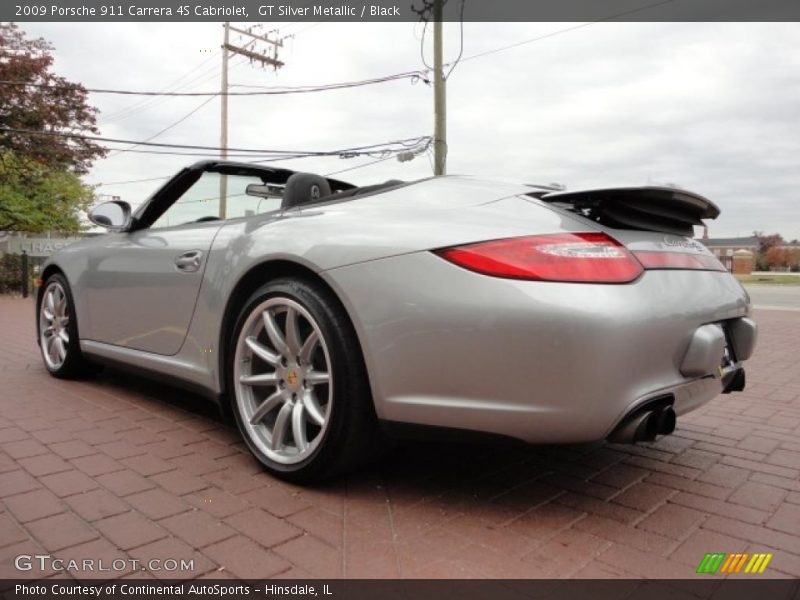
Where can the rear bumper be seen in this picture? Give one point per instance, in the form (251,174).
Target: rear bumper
(714,348)
(540,361)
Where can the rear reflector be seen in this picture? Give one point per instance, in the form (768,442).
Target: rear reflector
(567,257)
(678,260)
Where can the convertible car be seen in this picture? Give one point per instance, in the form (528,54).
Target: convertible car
(324,314)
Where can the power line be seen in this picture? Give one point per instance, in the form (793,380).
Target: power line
(307,27)
(373,162)
(422,47)
(423,15)
(126,182)
(566,30)
(354,168)
(266,91)
(276,90)
(210,154)
(413,147)
(145,103)
(428,153)
(301,21)
(150,103)
(167,128)
(461,41)
(344,153)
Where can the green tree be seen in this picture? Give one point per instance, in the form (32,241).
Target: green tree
(36,199)
(53,105)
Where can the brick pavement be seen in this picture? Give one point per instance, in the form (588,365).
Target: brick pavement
(118,467)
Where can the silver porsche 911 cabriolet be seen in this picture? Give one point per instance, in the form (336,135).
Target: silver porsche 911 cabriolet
(321,312)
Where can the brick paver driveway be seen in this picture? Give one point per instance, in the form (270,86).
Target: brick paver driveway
(119,467)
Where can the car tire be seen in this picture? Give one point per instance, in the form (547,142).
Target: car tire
(297,383)
(58,331)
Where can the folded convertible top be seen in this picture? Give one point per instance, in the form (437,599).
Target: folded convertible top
(647,208)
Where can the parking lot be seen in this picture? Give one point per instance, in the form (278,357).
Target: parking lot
(120,468)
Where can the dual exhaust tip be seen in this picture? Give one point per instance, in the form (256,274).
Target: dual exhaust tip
(645,426)
(658,417)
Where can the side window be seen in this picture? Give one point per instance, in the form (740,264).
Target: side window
(202,201)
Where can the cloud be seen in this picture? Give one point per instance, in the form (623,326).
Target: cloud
(713,107)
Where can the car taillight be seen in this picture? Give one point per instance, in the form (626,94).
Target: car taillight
(567,257)
(678,260)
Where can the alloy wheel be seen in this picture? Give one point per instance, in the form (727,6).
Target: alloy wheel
(53,322)
(283,380)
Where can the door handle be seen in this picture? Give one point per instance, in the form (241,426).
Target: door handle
(189,262)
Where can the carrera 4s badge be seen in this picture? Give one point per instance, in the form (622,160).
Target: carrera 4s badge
(677,242)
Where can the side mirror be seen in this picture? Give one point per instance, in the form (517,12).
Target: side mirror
(114,215)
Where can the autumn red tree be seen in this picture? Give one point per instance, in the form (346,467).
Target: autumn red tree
(778,258)
(53,105)
(765,242)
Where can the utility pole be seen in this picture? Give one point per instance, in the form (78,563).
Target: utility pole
(246,50)
(439,96)
(223,129)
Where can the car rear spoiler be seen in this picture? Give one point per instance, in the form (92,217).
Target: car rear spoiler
(648,208)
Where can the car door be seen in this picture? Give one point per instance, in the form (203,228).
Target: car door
(141,286)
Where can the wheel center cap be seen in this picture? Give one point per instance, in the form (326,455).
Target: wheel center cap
(291,378)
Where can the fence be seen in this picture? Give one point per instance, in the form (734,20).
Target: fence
(727,262)
(18,273)
(22,255)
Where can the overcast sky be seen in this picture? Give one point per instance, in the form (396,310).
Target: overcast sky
(714,108)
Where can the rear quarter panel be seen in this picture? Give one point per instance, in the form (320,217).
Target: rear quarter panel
(542,361)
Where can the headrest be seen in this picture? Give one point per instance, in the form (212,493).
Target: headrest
(302,188)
